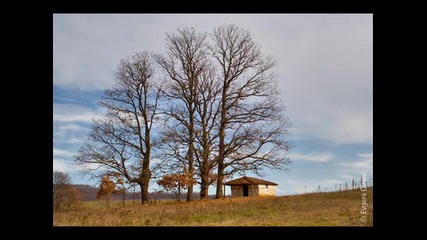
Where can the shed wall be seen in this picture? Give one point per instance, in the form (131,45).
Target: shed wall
(267,190)
(237,191)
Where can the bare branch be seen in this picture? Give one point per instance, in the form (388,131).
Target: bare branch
(122,142)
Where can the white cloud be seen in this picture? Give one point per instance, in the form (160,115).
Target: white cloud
(82,117)
(363,165)
(74,113)
(63,165)
(346,177)
(70,100)
(88,47)
(73,141)
(312,157)
(67,127)
(60,165)
(62,153)
(342,173)
(64,131)
(365,155)
(325,61)
(296,185)
(325,69)
(340,126)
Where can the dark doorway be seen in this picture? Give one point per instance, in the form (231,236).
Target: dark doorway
(245,190)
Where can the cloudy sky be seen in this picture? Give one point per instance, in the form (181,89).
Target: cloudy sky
(324,69)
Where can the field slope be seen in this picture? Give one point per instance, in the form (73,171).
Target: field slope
(315,209)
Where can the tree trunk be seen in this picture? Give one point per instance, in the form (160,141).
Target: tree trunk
(190,193)
(191,84)
(204,184)
(219,183)
(108,198)
(204,188)
(123,197)
(145,195)
(221,150)
(191,156)
(134,194)
(178,199)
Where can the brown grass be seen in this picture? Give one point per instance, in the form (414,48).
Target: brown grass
(316,209)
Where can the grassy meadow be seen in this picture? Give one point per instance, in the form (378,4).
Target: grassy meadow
(314,209)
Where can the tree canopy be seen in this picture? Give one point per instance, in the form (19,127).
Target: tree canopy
(209,105)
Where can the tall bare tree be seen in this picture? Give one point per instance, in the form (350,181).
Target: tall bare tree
(207,103)
(184,63)
(251,121)
(123,142)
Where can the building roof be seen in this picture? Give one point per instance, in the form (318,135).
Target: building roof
(249,181)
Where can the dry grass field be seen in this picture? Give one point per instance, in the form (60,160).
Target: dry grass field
(314,209)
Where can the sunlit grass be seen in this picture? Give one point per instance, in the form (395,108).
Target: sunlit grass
(315,209)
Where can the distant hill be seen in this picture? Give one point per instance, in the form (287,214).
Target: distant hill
(88,193)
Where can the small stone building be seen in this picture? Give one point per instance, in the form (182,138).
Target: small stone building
(249,186)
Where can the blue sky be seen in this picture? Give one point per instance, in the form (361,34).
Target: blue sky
(325,68)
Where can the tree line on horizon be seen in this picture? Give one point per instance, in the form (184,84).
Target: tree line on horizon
(90,193)
(205,110)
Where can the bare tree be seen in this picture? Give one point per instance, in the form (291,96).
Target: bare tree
(60,179)
(251,121)
(184,63)
(207,104)
(123,142)
(64,195)
(222,113)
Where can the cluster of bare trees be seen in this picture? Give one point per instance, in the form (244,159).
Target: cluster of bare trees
(209,107)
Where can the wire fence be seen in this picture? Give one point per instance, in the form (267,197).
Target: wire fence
(361,183)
